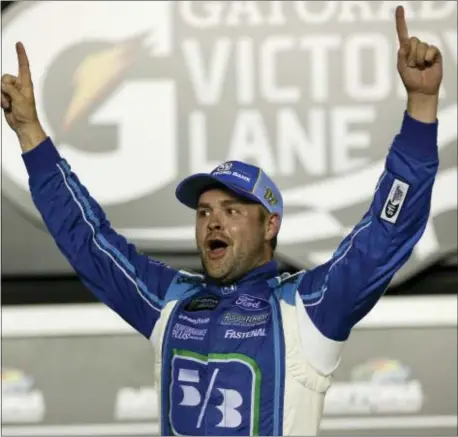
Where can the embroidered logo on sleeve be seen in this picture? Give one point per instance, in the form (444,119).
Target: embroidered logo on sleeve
(394,201)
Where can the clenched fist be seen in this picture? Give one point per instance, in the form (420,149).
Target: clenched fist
(419,64)
(18,103)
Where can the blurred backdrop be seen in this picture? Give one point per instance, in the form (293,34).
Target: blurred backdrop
(138,94)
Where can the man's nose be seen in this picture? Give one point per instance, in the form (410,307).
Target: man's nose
(215,221)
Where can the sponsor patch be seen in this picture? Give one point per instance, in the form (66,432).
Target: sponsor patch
(226,166)
(183,332)
(228,289)
(270,197)
(232,401)
(189,279)
(231,333)
(203,303)
(394,201)
(244,320)
(194,320)
(251,303)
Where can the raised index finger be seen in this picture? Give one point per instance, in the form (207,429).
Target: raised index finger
(401,25)
(24,68)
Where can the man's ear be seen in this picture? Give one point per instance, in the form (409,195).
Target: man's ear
(272,226)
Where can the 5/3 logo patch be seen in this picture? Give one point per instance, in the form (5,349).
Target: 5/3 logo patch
(204,394)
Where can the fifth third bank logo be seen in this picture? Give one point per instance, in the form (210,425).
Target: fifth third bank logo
(234,401)
(309,91)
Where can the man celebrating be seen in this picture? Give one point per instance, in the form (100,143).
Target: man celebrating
(242,350)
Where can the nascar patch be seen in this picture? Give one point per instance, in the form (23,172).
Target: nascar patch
(394,201)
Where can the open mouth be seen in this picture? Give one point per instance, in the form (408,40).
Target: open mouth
(216,248)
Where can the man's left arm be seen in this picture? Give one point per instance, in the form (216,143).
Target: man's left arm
(354,279)
(339,293)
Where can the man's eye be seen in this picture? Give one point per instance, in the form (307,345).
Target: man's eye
(202,213)
(232,211)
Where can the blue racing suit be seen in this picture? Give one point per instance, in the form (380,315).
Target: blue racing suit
(253,357)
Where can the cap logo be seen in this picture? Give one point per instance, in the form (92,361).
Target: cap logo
(224,167)
(270,197)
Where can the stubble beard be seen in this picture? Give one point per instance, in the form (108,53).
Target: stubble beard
(220,270)
(232,266)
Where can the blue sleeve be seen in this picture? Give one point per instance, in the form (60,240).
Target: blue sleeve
(128,282)
(339,293)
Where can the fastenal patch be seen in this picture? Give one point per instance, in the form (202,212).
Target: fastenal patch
(394,201)
(238,335)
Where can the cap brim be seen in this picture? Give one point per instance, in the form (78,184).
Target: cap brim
(189,190)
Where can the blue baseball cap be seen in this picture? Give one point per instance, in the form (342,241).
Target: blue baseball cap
(245,180)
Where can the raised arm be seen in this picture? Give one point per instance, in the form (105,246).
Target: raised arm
(130,283)
(341,292)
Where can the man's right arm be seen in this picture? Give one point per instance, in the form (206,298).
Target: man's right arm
(128,282)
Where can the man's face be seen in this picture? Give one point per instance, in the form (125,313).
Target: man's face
(230,235)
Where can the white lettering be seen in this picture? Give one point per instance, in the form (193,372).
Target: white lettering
(244,320)
(238,175)
(352,11)
(343,140)
(212,13)
(356,66)
(270,89)
(245,71)
(232,334)
(188,375)
(207,14)
(161,106)
(191,396)
(295,146)
(442,9)
(248,302)
(196,321)
(232,399)
(277,17)
(319,47)
(321,16)
(239,9)
(386,11)
(183,332)
(207,82)
(317,142)
(250,140)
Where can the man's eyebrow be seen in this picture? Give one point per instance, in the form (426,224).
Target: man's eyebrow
(230,202)
(227,202)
